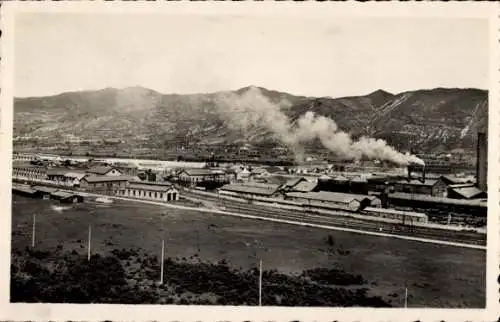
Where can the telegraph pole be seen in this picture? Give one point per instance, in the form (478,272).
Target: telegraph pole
(33,232)
(260,282)
(90,237)
(162,259)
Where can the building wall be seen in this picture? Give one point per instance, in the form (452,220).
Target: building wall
(170,195)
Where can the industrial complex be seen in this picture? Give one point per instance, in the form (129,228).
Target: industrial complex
(412,196)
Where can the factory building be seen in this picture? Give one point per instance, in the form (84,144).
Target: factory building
(28,172)
(149,191)
(104,171)
(25,191)
(106,184)
(44,192)
(424,186)
(67,197)
(249,190)
(435,188)
(65,177)
(465,191)
(330,199)
(482,161)
(195,176)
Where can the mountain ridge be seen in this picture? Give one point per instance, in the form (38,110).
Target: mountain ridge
(430,120)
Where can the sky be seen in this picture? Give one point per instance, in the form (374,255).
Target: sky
(62,52)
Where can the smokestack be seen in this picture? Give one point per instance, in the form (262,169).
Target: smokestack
(482,161)
(409,173)
(423,174)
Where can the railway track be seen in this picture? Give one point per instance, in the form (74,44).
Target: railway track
(345,222)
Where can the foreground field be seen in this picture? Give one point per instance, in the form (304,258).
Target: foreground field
(437,276)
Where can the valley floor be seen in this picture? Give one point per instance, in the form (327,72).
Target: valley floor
(436,275)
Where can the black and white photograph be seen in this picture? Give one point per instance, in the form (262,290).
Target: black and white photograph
(250,160)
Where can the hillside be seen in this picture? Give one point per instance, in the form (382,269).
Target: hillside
(424,120)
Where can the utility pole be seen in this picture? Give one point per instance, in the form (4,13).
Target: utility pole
(33,232)
(406,297)
(260,283)
(90,237)
(162,260)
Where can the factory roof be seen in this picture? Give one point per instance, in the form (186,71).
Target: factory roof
(394,211)
(25,189)
(197,172)
(100,170)
(304,186)
(63,194)
(326,196)
(418,197)
(45,189)
(57,171)
(257,189)
(413,182)
(468,192)
(293,182)
(25,164)
(454,179)
(149,187)
(93,179)
(76,175)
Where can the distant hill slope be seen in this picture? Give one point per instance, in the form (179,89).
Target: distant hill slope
(425,120)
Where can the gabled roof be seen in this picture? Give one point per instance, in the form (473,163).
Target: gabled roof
(45,189)
(101,170)
(93,179)
(257,189)
(304,186)
(63,194)
(453,179)
(427,183)
(57,171)
(420,197)
(326,196)
(197,172)
(75,175)
(150,187)
(23,189)
(398,212)
(468,192)
(293,182)
(259,171)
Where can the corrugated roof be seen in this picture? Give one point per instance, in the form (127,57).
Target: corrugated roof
(263,189)
(93,179)
(468,192)
(325,196)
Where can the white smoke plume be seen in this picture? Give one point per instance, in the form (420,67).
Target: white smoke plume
(251,110)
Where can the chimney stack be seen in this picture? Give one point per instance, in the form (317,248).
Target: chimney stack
(423,174)
(409,173)
(482,161)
